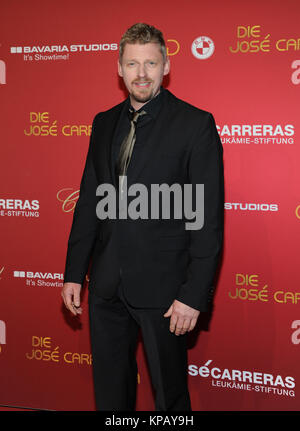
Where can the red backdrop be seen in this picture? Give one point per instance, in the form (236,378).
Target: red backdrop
(240,61)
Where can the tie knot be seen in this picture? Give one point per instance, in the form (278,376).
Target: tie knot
(136,115)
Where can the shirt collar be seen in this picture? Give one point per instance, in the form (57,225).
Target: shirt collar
(153,106)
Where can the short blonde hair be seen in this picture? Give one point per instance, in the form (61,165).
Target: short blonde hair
(143,33)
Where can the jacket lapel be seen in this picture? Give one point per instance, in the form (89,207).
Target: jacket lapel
(107,129)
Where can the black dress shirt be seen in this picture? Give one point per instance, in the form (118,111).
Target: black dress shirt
(143,128)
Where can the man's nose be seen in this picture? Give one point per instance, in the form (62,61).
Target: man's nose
(142,71)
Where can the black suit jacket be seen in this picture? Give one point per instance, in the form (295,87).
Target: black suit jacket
(158,260)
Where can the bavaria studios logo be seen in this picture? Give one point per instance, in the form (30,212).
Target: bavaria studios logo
(203,47)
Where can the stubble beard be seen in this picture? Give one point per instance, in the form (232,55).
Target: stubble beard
(144,95)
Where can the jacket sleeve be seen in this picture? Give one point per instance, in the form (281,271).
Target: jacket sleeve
(205,167)
(85,222)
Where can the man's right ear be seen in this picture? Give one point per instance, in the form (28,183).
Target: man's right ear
(120,69)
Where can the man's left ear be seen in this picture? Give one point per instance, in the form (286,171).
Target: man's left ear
(167,66)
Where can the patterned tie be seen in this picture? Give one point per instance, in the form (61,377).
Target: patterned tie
(127,148)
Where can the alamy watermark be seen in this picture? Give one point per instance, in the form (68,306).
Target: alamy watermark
(138,208)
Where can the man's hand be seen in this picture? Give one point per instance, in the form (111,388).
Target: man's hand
(71,296)
(183,317)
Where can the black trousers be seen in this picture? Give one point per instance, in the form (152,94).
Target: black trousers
(114,328)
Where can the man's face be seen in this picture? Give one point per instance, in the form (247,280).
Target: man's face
(142,69)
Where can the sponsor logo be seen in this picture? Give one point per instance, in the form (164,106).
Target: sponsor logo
(36,279)
(250,287)
(288,44)
(251,39)
(246,380)
(41,125)
(42,349)
(203,47)
(174,48)
(19,207)
(256,134)
(68,202)
(250,206)
(60,52)
(64,48)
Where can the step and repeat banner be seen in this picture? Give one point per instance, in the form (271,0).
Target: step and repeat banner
(58,69)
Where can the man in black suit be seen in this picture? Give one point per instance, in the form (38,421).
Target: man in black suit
(153,274)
